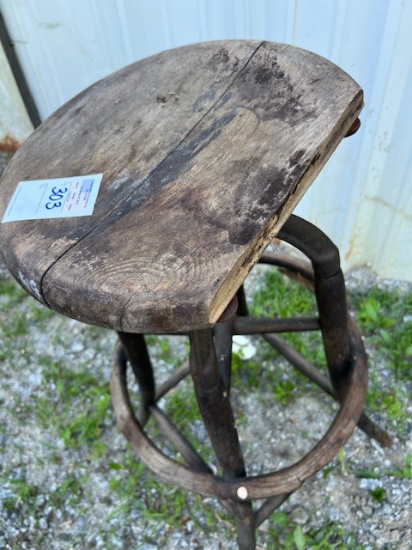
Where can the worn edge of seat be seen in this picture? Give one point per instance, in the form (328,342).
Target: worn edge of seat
(241,269)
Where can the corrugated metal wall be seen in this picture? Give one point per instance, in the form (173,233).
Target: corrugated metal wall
(363,198)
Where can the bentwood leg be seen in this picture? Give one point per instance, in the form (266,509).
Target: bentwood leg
(136,351)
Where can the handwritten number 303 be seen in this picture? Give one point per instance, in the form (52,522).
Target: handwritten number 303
(56,196)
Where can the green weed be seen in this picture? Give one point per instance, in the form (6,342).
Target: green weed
(39,315)
(80,407)
(288,536)
(161,349)
(26,498)
(365,474)
(279,296)
(11,294)
(158,504)
(386,318)
(22,497)
(405,472)
(245,372)
(392,400)
(378,494)
(70,491)
(283,391)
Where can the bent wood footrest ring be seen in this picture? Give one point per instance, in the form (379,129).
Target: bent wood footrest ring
(250,487)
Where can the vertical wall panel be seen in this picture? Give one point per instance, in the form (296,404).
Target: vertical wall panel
(362,199)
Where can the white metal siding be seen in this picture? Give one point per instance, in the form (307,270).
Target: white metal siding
(363,198)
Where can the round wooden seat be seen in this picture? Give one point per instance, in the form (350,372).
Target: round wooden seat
(205,150)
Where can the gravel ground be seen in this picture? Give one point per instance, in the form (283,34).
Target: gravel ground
(73,500)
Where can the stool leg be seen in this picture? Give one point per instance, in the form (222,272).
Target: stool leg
(223,333)
(330,294)
(214,405)
(301,272)
(136,351)
(331,301)
(242,309)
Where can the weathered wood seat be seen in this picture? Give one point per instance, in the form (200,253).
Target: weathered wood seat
(205,151)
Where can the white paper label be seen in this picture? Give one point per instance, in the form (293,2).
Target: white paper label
(56,198)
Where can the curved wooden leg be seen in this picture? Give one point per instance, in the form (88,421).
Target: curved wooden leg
(223,333)
(326,279)
(135,349)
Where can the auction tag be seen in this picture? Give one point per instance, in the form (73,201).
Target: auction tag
(56,198)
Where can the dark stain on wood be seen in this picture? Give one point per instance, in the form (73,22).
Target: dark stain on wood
(203,99)
(221,57)
(283,102)
(243,228)
(296,157)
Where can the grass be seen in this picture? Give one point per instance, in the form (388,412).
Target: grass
(405,472)
(77,410)
(71,401)
(157,504)
(289,536)
(277,295)
(386,319)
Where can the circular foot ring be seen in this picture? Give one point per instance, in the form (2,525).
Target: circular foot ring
(247,488)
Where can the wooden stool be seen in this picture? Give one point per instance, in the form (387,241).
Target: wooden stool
(205,151)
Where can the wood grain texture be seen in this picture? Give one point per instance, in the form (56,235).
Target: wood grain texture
(205,152)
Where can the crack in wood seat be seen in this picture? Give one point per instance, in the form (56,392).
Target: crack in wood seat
(205,151)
